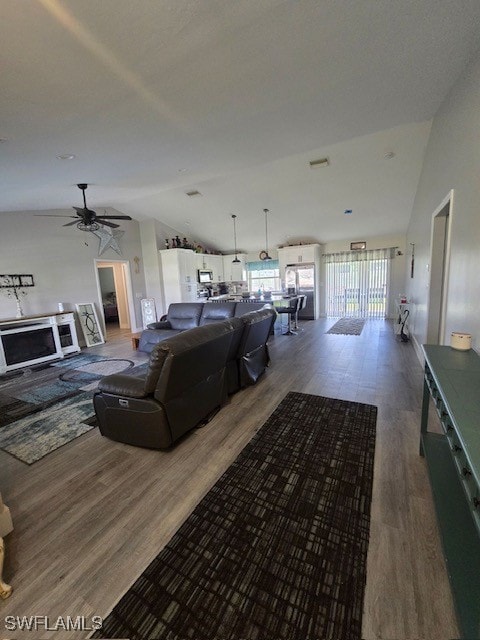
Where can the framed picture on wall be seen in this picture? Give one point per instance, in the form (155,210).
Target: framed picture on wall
(89,323)
(358,246)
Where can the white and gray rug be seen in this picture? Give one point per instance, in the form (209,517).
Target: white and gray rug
(43,408)
(348,326)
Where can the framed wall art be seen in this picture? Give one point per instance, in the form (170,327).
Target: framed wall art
(89,323)
(358,246)
(149,313)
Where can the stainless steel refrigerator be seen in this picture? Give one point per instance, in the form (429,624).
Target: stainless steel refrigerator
(301,279)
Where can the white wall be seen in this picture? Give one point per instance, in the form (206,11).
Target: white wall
(62,261)
(452,161)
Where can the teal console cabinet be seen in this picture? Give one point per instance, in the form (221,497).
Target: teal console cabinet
(452,380)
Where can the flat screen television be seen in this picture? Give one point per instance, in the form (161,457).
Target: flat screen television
(205,276)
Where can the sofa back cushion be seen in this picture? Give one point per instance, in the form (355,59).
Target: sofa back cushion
(184,315)
(191,356)
(257,327)
(155,365)
(192,380)
(246,307)
(216,311)
(253,354)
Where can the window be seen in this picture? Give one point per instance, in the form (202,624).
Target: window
(263,275)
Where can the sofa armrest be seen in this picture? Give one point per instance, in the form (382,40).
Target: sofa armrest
(159,325)
(120,384)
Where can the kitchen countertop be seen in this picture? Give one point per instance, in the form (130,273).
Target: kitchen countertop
(239,298)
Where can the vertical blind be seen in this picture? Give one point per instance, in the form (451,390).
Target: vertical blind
(357,283)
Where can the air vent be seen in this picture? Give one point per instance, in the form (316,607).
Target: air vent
(322,162)
(192,194)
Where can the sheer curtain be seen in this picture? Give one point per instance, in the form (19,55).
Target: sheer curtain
(358,282)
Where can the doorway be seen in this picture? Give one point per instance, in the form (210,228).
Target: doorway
(114,286)
(439,269)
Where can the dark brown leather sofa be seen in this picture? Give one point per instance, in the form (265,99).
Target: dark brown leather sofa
(187,315)
(188,378)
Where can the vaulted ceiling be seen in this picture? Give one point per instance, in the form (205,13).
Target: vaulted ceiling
(230,98)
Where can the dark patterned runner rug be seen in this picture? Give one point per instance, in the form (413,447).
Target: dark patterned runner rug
(348,326)
(277,548)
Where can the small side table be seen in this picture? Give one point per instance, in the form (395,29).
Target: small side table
(135,340)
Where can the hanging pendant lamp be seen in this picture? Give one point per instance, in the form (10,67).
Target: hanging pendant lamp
(235,238)
(264,254)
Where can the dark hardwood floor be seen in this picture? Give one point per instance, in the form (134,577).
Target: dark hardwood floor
(91,516)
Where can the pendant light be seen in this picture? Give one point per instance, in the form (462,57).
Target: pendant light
(234,217)
(264,254)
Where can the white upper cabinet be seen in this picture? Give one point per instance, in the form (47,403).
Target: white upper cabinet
(298,254)
(213,263)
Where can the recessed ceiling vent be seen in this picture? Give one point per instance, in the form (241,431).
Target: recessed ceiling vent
(322,162)
(192,194)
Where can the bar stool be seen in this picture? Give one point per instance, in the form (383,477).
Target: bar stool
(301,305)
(291,311)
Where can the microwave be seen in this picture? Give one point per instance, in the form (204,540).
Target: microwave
(205,276)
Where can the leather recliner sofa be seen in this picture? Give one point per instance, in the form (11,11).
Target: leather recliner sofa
(187,315)
(188,378)
(184,383)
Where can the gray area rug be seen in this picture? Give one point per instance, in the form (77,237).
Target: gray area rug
(277,549)
(348,326)
(43,408)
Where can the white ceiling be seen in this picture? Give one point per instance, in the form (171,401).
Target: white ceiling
(240,95)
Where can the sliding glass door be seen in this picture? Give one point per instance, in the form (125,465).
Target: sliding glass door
(357,287)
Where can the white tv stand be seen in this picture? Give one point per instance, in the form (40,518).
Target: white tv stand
(35,339)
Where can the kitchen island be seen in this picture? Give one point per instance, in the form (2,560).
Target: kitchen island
(275,300)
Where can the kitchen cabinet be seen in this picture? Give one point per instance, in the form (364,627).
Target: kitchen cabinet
(212,262)
(235,272)
(297,255)
(179,274)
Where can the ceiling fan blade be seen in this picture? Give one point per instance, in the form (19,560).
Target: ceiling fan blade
(51,215)
(69,224)
(106,223)
(113,218)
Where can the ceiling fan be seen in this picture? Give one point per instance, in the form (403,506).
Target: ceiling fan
(87,219)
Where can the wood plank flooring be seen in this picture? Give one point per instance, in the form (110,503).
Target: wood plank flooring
(91,516)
